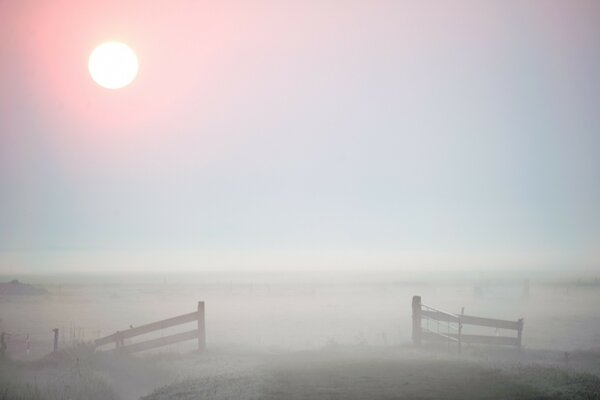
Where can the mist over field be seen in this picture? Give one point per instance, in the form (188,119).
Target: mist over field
(325,334)
(340,199)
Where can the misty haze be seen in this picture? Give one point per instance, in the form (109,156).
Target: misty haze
(299,200)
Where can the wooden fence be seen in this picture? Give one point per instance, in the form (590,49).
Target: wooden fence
(199,333)
(444,326)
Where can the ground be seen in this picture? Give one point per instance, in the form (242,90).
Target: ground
(338,372)
(400,373)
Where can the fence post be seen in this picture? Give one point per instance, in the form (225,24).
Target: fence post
(416,320)
(118,340)
(55,330)
(525,294)
(201,327)
(3,345)
(460,326)
(519,332)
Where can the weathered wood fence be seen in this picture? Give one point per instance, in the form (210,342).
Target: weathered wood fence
(199,333)
(444,326)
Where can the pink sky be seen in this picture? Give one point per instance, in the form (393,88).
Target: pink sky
(438,134)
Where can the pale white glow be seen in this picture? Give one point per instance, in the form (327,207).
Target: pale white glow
(113,65)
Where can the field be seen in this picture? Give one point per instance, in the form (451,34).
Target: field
(303,336)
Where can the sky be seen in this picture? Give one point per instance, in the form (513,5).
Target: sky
(301,135)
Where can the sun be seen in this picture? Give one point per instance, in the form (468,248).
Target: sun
(113,65)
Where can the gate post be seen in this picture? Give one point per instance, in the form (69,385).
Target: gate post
(519,332)
(55,330)
(201,327)
(416,320)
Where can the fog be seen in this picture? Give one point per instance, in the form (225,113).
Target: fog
(302,199)
(269,333)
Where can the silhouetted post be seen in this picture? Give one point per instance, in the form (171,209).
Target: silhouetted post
(525,294)
(416,320)
(3,345)
(55,330)
(519,332)
(201,327)
(460,326)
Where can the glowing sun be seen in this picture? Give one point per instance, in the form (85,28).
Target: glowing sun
(113,65)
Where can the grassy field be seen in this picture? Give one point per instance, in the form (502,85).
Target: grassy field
(272,338)
(380,374)
(338,372)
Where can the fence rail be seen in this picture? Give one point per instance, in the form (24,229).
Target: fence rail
(448,327)
(118,338)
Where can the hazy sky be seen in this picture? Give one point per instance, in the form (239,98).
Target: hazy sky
(301,134)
